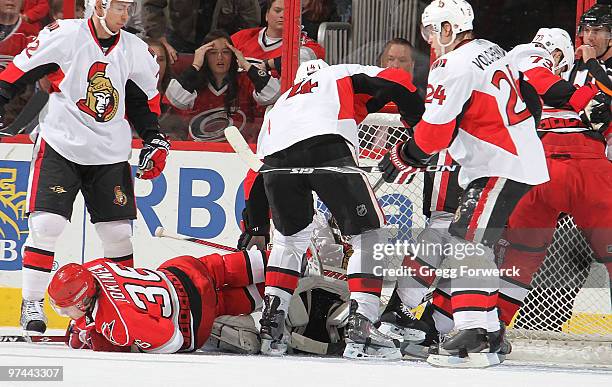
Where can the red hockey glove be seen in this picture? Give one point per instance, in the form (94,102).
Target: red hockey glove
(395,169)
(152,159)
(98,342)
(75,334)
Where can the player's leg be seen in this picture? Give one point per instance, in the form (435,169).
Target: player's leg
(53,185)
(109,195)
(351,200)
(593,212)
(522,250)
(238,269)
(291,198)
(483,212)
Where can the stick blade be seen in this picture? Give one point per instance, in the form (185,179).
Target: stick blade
(159,231)
(240,146)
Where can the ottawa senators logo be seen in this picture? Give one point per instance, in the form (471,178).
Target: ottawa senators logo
(120,198)
(102,98)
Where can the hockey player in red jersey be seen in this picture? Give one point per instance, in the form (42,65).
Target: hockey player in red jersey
(102,80)
(580,175)
(474,109)
(167,310)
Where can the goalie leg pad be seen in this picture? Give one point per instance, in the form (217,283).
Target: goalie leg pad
(236,334)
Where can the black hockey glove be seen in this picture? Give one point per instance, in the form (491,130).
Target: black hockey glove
(598,111)
(396,168)
(152,159)
(253,235)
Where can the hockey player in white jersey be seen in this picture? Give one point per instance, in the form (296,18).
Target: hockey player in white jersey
(311,125)
(102,80)
(474,109)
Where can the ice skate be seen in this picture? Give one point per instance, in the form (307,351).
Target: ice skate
(398,322)
(33,319)
(273,338)
(468,348)
(365,342)
(426,324)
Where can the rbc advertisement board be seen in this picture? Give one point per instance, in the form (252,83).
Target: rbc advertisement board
(200,194)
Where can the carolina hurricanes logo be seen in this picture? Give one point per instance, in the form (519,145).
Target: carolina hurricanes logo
(107,331)
(209,125)
(102,99)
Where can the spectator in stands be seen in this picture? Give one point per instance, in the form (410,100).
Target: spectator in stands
(14,37)
(189,21)
(10,21)
(33,12)
(315,12)
(211,94)
(260,45)
(161,55)
(397,53)
(56,11)
(344,9)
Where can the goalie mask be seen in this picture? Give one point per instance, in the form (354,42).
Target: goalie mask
(458,13)
(308,68)
(116,7)
(552,39)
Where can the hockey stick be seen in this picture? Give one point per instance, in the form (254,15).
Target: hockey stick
(161,232)
(240,146)
(32,339)
(29,112)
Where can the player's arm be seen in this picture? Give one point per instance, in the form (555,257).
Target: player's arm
(447,93)
(142,105)
(256,214)
(39,58)
(557,92)
(390,85)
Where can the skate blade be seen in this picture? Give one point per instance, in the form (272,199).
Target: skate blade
(271,348)
(361,352)
(415,352)
(403,334)
(473,360)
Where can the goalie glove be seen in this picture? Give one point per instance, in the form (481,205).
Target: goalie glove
(152,159)
(395,169)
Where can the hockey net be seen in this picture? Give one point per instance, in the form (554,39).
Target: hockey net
(569,305)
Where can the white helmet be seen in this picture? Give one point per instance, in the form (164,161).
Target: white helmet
(458,13)
(90,11)
(308,68)
(552,39)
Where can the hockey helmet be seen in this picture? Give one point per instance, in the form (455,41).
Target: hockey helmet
(458,13)
(90,6)
(72,290)
(308,68)
(599,15)
(552,39)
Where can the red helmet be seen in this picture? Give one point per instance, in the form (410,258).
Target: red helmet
(71,290)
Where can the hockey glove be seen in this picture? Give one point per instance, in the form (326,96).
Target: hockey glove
(152,159)
(395,169)
(252,235)
(598,111)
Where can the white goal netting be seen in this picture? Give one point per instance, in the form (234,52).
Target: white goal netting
(570,299)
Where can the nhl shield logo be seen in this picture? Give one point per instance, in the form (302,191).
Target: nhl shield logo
(362,210)
(120,198)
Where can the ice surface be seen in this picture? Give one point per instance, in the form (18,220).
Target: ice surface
(205,369)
